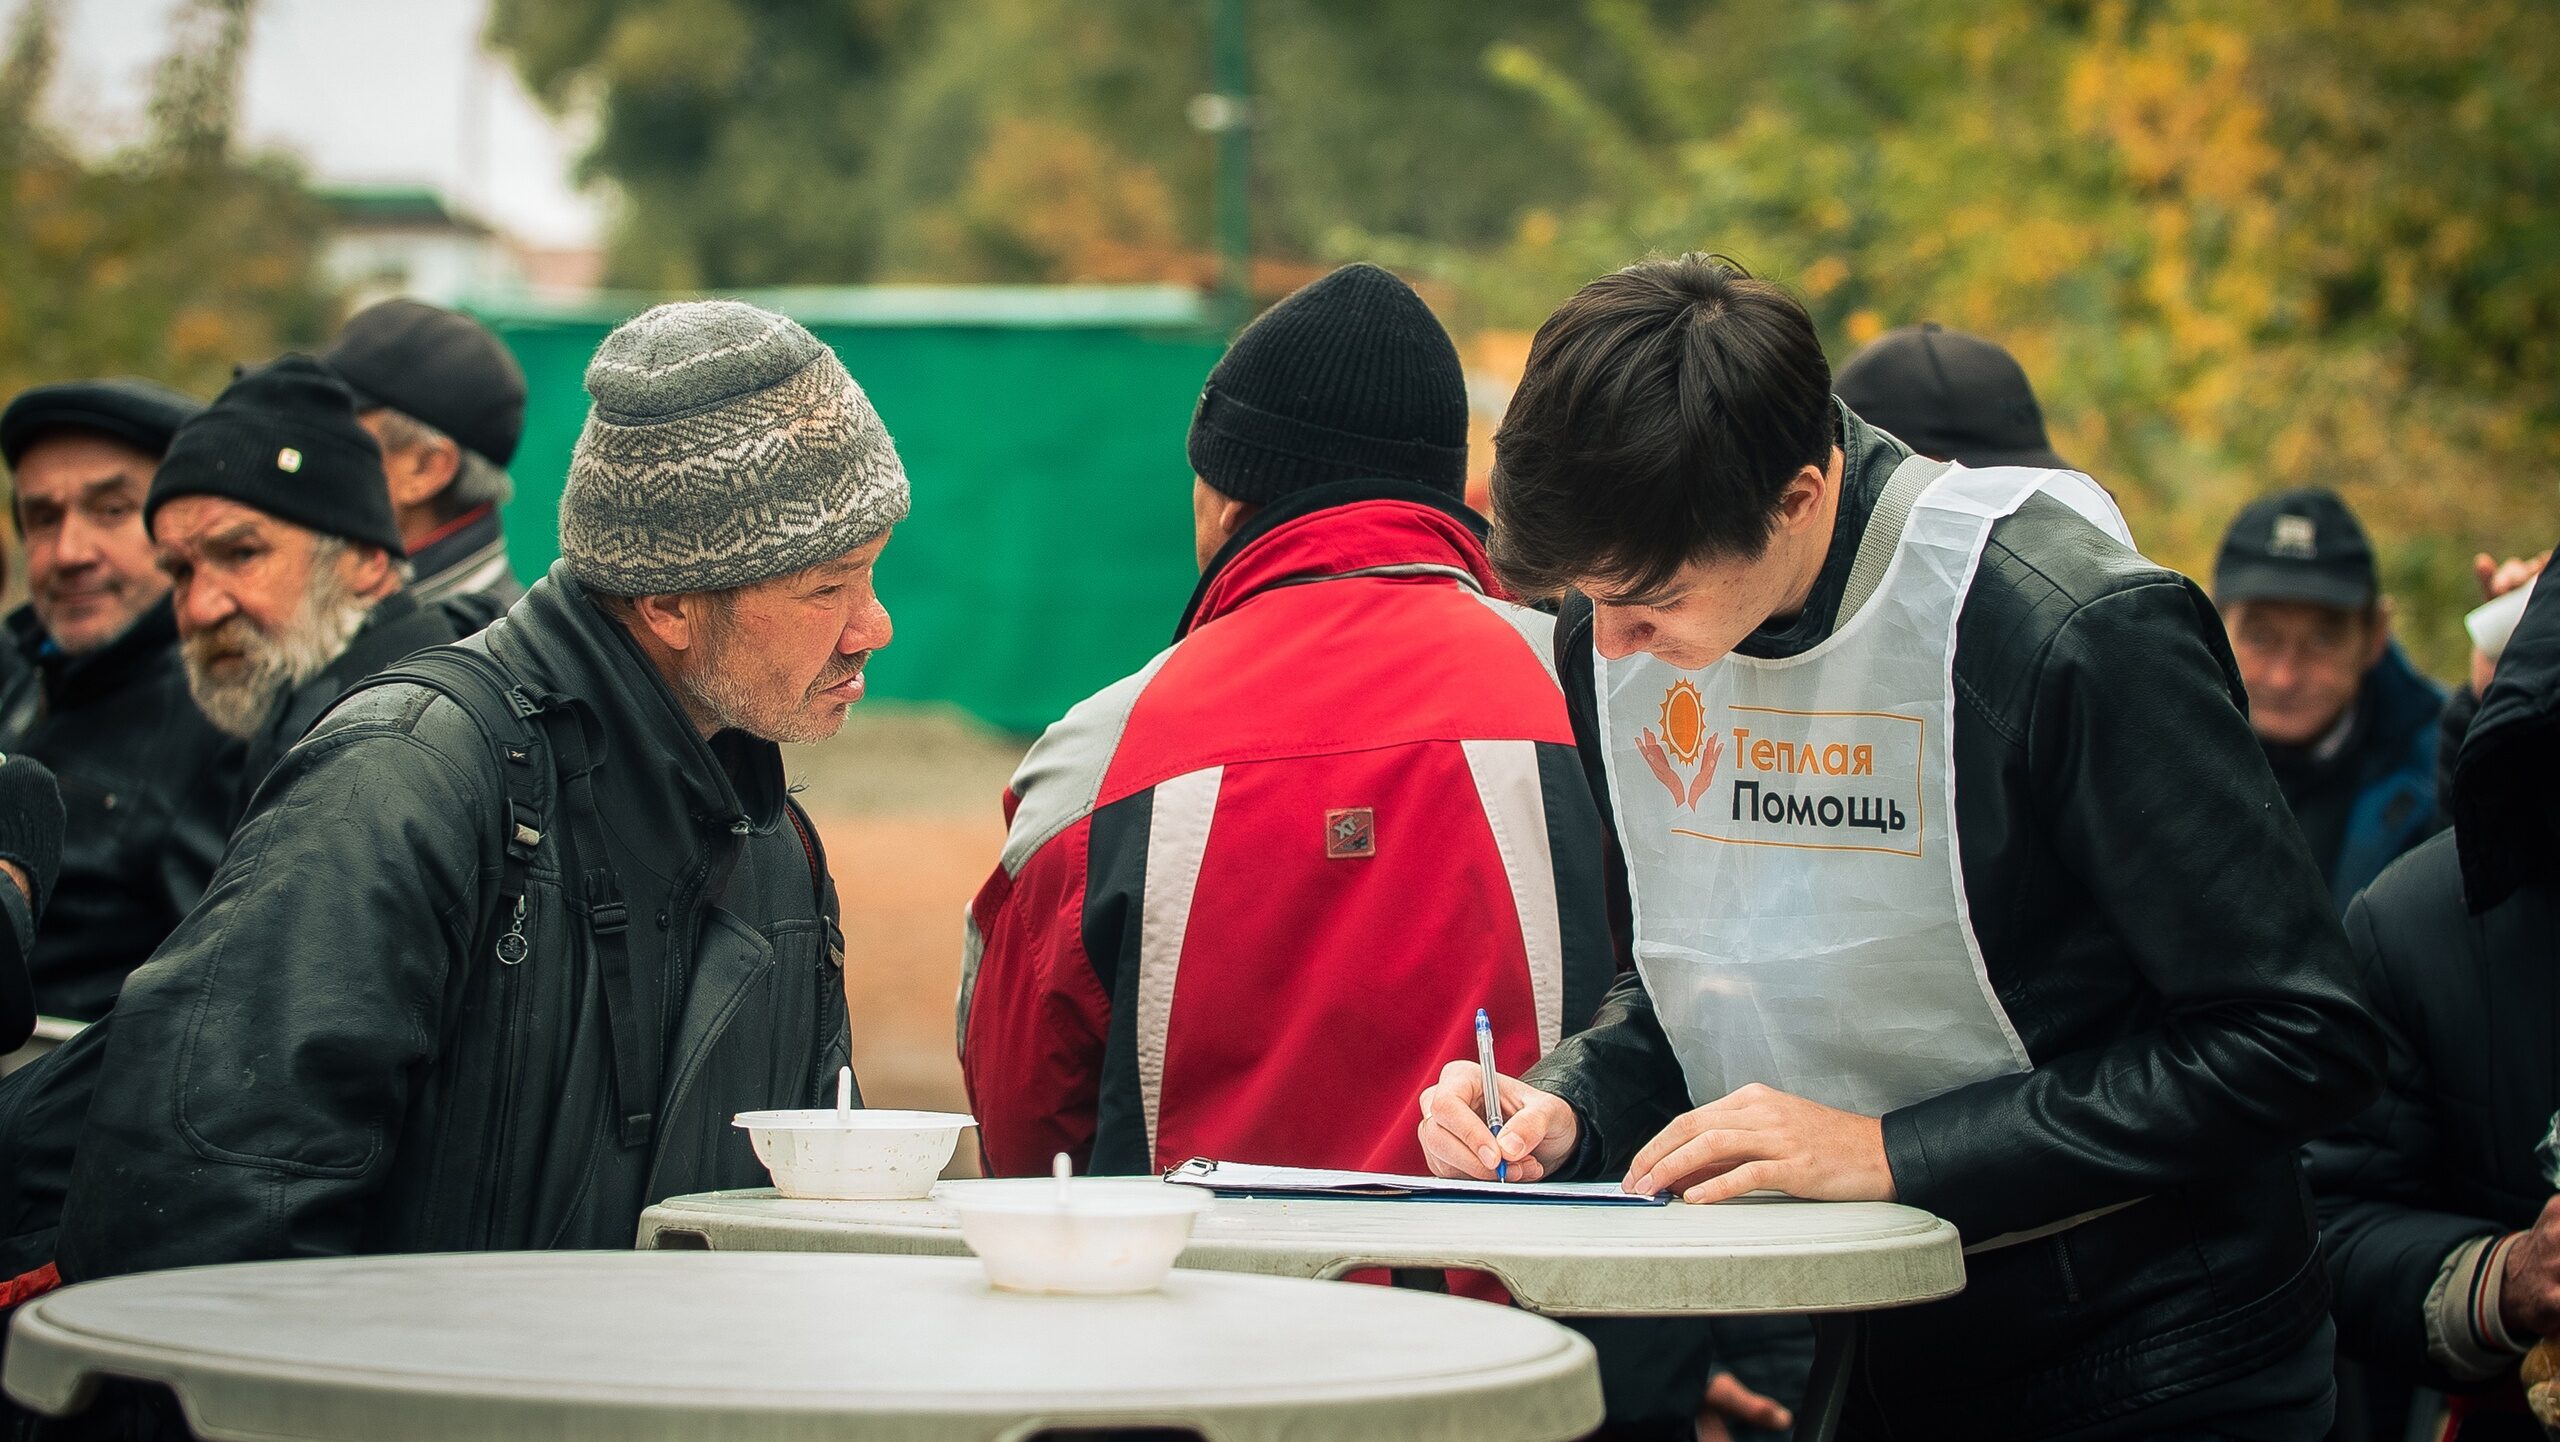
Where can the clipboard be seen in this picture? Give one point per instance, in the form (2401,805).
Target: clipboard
(1243,1179)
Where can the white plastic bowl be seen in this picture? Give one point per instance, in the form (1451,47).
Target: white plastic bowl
(863,1156)
(1111,1237)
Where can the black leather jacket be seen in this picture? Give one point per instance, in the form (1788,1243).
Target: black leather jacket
(148,791)
(328,1056)
(2474,1078)
(2160,938)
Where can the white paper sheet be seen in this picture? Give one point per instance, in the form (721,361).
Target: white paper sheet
(1244,1179)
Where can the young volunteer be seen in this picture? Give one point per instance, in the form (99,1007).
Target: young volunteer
(1951,870)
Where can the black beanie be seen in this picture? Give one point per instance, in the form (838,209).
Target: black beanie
(284,439)
(1350,378)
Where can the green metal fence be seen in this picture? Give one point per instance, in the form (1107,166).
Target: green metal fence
(1050,548)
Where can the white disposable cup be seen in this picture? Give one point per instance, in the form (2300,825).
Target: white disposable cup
(1111,1236)
(2492,624)
(864,1156)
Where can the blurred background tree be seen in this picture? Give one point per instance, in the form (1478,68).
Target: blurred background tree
(2239,246)
(173,258)
(768,142)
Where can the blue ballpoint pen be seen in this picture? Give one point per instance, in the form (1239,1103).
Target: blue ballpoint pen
(1492,1095)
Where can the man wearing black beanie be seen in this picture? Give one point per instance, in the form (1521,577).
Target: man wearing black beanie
(274,523)
(1343,806)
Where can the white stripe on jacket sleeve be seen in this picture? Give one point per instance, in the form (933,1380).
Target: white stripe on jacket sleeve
(1177,838)
(1506,774)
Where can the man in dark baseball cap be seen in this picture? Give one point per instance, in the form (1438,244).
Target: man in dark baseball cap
(1950,396)
(96,691)
(2347,722)
(446,400)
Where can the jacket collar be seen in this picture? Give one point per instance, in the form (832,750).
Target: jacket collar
(557,641)
(71,680)
(459,547)
(1867,460)
(1338,529)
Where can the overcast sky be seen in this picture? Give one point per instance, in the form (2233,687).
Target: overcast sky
(363,90)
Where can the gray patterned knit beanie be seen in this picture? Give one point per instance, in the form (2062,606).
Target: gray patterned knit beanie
(726,446)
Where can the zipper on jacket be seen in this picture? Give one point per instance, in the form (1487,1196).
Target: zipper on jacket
(514,946)
(2062,1259)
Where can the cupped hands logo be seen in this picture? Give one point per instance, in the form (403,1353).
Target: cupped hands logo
(1685,739)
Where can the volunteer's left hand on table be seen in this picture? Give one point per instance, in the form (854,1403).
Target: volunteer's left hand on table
(1756,1139)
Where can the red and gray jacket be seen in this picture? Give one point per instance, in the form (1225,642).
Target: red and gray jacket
(1252,896)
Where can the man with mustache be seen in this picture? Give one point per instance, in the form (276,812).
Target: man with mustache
(274,525)
(507,939)
(100,695)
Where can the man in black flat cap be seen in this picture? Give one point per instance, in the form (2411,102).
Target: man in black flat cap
(1950,396)
(275,526)
(446,400)
(99,694)
(2347,722)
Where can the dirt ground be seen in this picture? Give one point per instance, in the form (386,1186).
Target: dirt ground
(908,801)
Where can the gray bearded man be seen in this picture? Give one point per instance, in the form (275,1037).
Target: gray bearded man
(505,940)
(274,523)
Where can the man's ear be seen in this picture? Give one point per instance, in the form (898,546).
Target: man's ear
(1233,514)
(367,570)
(1801,501)
(2380,640)
(666,619)
(418,474)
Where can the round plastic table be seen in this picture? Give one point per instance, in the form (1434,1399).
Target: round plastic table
(763,1348)
(1757,1255)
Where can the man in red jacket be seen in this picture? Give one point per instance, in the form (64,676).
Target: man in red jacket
(1252,893)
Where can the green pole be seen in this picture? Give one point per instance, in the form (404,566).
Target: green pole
(1232,117)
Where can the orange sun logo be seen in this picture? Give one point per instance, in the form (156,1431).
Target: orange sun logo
(1684,722)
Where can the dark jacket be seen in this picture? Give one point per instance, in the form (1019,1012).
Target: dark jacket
(2156,931)
(397,625)
(2460,944)
(2467,1005)
(148,791)
(330,1056)
(2378,799)
(468,556)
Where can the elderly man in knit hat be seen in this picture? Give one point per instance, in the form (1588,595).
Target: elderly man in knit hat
(446,400)
(275,528)
(509,937)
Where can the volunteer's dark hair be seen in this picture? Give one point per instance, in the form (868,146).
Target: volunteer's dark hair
(1662,413)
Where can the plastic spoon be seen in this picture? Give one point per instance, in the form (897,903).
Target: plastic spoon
(844,1096)
(1062,1169)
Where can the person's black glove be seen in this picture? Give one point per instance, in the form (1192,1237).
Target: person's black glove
(31,825)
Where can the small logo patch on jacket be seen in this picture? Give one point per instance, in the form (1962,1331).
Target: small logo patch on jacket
(1350,833)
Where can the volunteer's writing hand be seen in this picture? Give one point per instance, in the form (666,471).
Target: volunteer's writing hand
(2529,1301)
(1761,1138)
(1538,1128)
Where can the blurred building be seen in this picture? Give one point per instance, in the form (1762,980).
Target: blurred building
(410,240)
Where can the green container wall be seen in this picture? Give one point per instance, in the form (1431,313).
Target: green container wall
(1049,552)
